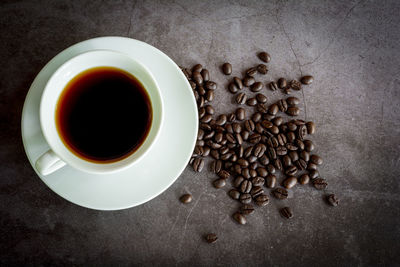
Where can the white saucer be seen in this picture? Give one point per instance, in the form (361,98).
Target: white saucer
(157,170)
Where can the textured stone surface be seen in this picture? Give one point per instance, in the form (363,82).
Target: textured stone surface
(352,49)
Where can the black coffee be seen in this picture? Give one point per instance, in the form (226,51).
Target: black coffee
(103,115)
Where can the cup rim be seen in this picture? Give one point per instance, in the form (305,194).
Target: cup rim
(102,168)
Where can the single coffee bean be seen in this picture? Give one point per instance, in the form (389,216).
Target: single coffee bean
(230,138)
(251,72)
(311,166)
(273,109)
(259,128)
(237,169)
(305,155)
(245,198)
(253,166)
(273,142)
(232,87)
(248,151)
(216,166)
(186,198)
(271,153)
(246,186)
(257,86)
(264,56)
(219,183)
(292,101)
(286,212)
(233,159)
(256,191)
(301,164)
(249,125)
(221,120)
(246,173)
(332,200)
(261,171)
(270,181)
(197,78)
(267,124)
(193,85)
(200,143)
(259,150)
(308,79)
(304,179)
(308,145)
(293,155)
(210,95)
(281,150)
(273,86)
(248,81)
(301,132)
(291,171)
(320,183)
(262,68)
(314,174)
(198,151)
(282,140)
(258,181)
(291,126)
(261,200)
(206,118)
(256,117)
(200,134)
(211,238)
(226,156)
(231,117)
(201,90)
(299,144)
(290,137)
(200,102)
(245,135)
(228,128)
(243,162)
(209,109)
(286,161)
(282,104)
(254,138)
(278,164)
(282,83)
(316,159)
(198,164)
(252,159)
(238,181)
(310,127)
(239,218)
(205,74)
(197,67)
(295,85)
(227,68)
(239,138)
(246,209)
(240,114)
(211,85)
(299,122)
(206,151)
(261,98)
(237,128)
(202,112)
(271,169)
(238,82)
(209,135)
(251,102)
(293,111)
(264,160)
(224,174)
(241,98)
(290,182)
(280,193)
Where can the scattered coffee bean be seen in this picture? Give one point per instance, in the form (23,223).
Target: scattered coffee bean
(219,183)
(264,56)
(282,104)
(186,198)
(232,87)
(305,155)
(224,174)
(205,74)
(316,159)
(197,78)
(251,102)
(258,181)
(311,166)
(273,86)
(245,198)
(332,200)
(227,68)
(238,181)
(262,68)
(261,98)
(295,85)
(239,218)
(238,82)
(241,98)
(282,83)
(256,191)
(261,200)
(257,86)
(198,164)
(211,238)
(233,193)
(290,182)
(280,193)
(270,181)
(286,212)
(248,81)
(210,95)
(246,186)
(293,111)
(307,79)
(240,114)
(211,85)
(246,209)
(292,101)
(273,109)
(251,72)
(310,127)
(320,183)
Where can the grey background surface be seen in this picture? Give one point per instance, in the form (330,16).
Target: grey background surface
(352,49)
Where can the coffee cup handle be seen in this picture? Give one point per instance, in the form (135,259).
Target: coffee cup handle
(48,163)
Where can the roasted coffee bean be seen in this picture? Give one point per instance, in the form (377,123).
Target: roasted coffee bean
(257,86)
(293,111)
(280,193)
(239,138)
(271,169)
(252,159)
(240,114)
(230,138)
(206,151)
(202,112)
(238,82)
(270,181)
(214,145)
(200,134)
(290,182)
(261,98)
(201,90)
(228,128)
(301,132)
(224,174)
(304,179)
(248,151)
(311,166)
(286,212)
(281,150)
(267,124)
(200,143)
(246,209)
(225,156)
(198,151)
(251,72)
(286,161)
(299,122)
(231,117)
(209,109)
(320,183)
(193,85)
(262,68)
(211,85)
(261,200)
(198,164)
(238,181)
(186,198)
(209,135)
(218,137)
(239,218)
(200,102)
(206,118)
(259,150)
(234,158)
(314,174)
(291,126)
(293,155)
(332,200)
(264,160)
(259,128)
(241,98)
(277,121)
(262,108)
(308,145)
(287,91)
(262,171)
(278,164)
(295,85)
(305,155)
(282,104)
(271,153)
(310,127)
(221,120)
(246,173)
(211,238)
(245,135)
(299,144)
(283,128)
(282,83)
(205,74)
(227,68)
(197,78)
(292,101)
(245,198)
(253,166)
(214,153)
(308,79)
(251,102)
(301,164)
(210,95)
(243,162)
(273,142)
(232,87)
(256,117)
(258,181)
(248,81)
(281,139)
(219,183)
(256,191)
(273,109)
(249,125)
(273,86)
(186,72)
(254,138)
(216,166)
(237,169)
(316,159)
(197,67)
(264,56)
(237,128)
(291,171)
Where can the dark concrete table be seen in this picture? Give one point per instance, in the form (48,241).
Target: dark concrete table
(351,47)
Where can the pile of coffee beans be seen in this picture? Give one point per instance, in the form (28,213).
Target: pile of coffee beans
(251,150)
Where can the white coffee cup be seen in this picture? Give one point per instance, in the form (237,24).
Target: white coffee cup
(59,155)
